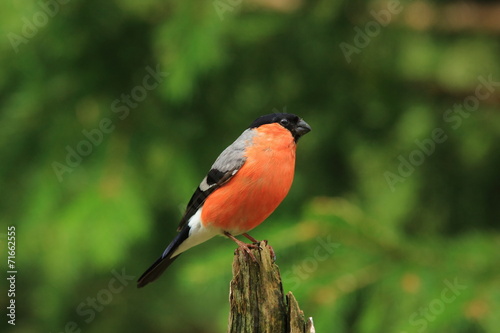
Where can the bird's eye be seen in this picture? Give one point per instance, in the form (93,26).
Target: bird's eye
(284,122)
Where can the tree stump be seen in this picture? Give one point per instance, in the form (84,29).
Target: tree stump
(257,302)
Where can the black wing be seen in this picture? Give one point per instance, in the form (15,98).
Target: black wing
(214,179)
(224,168)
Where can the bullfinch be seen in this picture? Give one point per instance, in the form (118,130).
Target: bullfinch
(246,183)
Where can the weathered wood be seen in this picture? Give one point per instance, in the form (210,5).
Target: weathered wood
(257,302)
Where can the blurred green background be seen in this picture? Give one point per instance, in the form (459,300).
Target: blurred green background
(111,112)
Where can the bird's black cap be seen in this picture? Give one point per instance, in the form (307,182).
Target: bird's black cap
(291,122)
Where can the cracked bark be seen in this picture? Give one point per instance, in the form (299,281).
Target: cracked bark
(257,301)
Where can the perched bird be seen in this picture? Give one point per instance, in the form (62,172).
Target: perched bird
(246,183)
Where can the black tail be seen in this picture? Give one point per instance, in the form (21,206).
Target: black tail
(160,265)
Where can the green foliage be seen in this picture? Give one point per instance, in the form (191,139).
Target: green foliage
(157,89)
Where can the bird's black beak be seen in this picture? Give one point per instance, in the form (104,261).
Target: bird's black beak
(302,128)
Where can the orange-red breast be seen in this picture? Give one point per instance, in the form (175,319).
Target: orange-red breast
(246,183)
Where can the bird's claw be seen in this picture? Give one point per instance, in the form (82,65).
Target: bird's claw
(255,244)
(246,247)
(271,250)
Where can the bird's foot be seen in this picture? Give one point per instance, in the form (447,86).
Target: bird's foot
(256,242)
(243,246)
(246,247)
